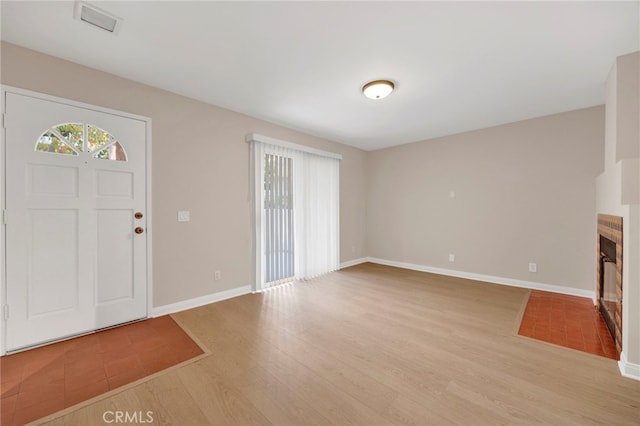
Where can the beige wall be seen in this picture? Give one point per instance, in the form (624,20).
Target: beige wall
(524,192)
(613,185)
(200,164)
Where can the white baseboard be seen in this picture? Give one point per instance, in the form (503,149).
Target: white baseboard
(353,262)
(488,278)
(199,301)
(628,369)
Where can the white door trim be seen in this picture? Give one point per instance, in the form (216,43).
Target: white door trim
(4,89)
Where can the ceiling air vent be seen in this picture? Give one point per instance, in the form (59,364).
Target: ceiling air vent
(96,16)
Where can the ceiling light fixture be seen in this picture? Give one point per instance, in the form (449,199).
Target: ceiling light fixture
(378,89)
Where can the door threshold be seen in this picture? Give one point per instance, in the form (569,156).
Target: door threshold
(73,336)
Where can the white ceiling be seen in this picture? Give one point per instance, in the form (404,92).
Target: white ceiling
(457,66)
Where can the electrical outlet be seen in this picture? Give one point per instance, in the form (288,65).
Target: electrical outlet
(452,258)
(184,216)
(533,267)
(217,275)
(353,249)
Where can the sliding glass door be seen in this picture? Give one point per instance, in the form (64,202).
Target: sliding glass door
(295,206)
(279,236)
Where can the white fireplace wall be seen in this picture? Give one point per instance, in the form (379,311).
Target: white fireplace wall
(618,194)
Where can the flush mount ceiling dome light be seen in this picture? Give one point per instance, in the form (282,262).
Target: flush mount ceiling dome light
(378,89)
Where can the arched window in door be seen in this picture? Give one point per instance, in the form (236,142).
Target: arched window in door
(79,138)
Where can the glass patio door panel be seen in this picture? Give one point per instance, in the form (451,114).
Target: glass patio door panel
(278,214)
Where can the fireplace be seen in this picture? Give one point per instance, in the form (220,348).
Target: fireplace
(609,283)
(608,296)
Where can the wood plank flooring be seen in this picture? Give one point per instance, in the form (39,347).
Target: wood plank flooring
(375,345)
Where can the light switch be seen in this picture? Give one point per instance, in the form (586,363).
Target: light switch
(184,216)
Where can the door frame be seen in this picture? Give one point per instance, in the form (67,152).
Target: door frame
(4,89)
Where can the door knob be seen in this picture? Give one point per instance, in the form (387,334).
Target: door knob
(139,230)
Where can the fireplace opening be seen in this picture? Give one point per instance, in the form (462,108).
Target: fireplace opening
(609,298)
(609,283)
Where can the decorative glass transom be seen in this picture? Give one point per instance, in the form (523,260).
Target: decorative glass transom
(76,138)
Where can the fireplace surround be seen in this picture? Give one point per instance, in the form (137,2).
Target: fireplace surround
(609,282)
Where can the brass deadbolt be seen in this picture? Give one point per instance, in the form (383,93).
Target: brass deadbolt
(138,215)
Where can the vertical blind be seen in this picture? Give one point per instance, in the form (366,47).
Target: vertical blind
(317,212)
(295,203)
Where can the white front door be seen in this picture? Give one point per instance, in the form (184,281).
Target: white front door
(75,196)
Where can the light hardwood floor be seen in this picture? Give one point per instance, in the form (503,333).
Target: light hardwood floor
(375,345)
